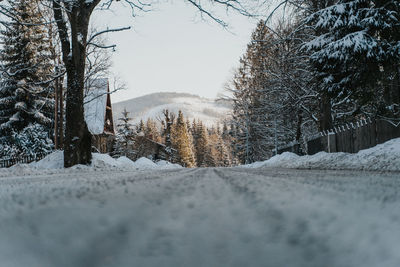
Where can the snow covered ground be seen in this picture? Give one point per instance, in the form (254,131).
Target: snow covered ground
(201,217)
(383,157)
(120,213)
(54,163)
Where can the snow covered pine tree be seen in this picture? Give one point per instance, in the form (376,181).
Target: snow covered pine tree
(357,56)
(25,91)
(124,138)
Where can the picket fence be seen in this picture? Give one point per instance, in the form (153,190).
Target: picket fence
(5,163)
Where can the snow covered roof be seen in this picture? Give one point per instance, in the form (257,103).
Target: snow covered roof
(95,105)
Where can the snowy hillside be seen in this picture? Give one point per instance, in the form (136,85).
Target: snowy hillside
(192,106)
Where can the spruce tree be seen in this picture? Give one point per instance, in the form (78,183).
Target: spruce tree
(124,139)
(194,130)
(356,55)
(31,141)
(151,131)
(181,142)
(25,91)
(202,146)
(141,128)
(222,154)
(167,126)
(254,98)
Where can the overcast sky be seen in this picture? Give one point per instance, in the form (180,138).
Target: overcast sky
(171,49)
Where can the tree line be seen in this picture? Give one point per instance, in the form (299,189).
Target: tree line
(322,64)
(67,24)
(190,144)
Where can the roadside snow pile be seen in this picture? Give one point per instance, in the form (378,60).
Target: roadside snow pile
(104,161)
(124,161)
(54,163)
(144,163)
(383,157)
(167,165)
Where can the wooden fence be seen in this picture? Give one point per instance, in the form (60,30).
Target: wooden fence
(349,138)
(293,147)
(5,163)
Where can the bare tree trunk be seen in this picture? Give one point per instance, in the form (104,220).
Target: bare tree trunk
(61,121)
(56,98)
(77,149)
(396,87)
(299,123)
(325,113)
(77,145)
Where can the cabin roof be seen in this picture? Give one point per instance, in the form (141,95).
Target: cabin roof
(95,103)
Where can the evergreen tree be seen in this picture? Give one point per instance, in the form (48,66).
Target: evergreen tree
(211,158)
(228,140)
(167,124)
(194,130)
(151,131)
(272,96)
(124,139)
(141,128)
(202,146)
(32,140)
(181,142)
(223,156)
(225,130)
(25,91)
(356,56)
(252,106)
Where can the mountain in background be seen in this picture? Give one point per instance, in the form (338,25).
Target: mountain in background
(151,106)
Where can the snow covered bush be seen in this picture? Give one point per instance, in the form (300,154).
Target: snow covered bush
(32,140)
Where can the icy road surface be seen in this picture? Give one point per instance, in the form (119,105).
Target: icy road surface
(201,217)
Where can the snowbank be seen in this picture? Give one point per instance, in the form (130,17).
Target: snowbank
(54,163)
(383,157)
(167,165)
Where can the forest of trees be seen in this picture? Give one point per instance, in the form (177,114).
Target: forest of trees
(67,24)
(324,63)
(321,64)
(194,144)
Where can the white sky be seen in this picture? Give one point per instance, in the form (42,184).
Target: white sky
(171,49)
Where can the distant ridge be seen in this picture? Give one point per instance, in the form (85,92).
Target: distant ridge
(192,106)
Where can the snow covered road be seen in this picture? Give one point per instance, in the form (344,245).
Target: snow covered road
(201,217)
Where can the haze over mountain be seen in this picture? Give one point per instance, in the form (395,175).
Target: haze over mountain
(207,110)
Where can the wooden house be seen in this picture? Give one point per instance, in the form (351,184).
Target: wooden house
(153,150)
(98,115)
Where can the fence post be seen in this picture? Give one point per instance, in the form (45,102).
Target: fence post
(329,143)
